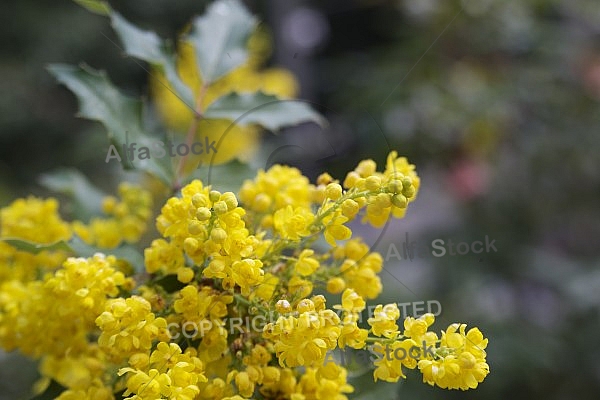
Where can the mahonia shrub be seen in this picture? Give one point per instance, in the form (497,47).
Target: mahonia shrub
(227,302)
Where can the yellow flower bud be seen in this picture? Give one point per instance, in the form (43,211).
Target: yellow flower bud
(218,235)
(350,208)
(271,375)
(305,305)
(199,200)
(334,191)
(195,227)
(383,200)
(351,179)
(336,285)
(108,204)
(203,214)
(244,384)
(374,209)
(220,207)
(319,301)
(283,306)
(190,245)
(139,361)
(324,179)
(214,195)
(467,360)
(366,168)
(229,199)
(395,186)
(409,192)
(262,202)
(399,201)
(318,194)
(185,275)
(373,183)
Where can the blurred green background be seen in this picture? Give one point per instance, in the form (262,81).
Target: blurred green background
(497,102)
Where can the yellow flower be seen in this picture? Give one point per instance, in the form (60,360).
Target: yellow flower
(276,188)
(247,273)
(304,340)
(299,288)
(267,288)
(128,326)
(306,265)
(359,270)
(392,358)
(315,385)
(335,228)
(416,328)
(351,302)
(56,315)
(163,256)
(335,285)
(34,220)
(351,335)
(127,219)
(171,375)
(293,223)
(383,322)
(462,363)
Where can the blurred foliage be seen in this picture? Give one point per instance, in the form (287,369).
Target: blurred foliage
(499,100)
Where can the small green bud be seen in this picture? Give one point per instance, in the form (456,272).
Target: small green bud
(409,191)
(399,201)
(395,186)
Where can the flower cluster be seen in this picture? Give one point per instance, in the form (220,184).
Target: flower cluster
(102,332)
(35,220)
(457,361)
(126,222)
(111,313)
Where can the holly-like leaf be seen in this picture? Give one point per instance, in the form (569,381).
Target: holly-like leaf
(95,6)
(123,252)
(87,198)
(53,390)
(35,248)
(227,177)
(220,37)
(170,283)
(78,247)
(268,111)
(149,47)
(100,100)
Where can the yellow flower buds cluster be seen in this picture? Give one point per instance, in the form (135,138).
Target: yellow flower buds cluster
(227,303)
